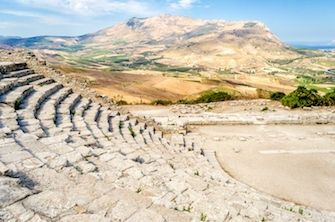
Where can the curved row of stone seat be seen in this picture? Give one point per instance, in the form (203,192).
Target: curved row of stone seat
(30,115)
(95,164)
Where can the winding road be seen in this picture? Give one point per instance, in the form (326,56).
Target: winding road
(331,72)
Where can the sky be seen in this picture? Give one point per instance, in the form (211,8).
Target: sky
(293,21)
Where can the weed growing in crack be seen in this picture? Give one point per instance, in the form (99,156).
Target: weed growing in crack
(188,209)
(203,217)
(171,165)
(17,104)
(132,133)
(79,169)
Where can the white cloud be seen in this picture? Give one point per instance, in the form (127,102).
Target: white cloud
(91,8)
(10,24)
(40,18)
(181,4)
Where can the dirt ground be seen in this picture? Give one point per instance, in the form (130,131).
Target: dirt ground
(254,155)
(290,162)
(136,89)
(143,86)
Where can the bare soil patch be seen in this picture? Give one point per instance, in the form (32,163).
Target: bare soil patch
(305,178)
(141,86)
(135,88)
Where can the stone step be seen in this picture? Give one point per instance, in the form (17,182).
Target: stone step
(68,104)
(81,106)
(157,136)
(7,84)
(18,73)
(8,118)
(60,95)
(14,98)
(29,78)
(16,158)
(65,111)
(31,103)
(103,121)
(52,151)
(92,113)
(6,67)
(41,82)
(48,108)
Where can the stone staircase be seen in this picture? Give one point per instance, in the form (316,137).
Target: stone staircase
(64,157)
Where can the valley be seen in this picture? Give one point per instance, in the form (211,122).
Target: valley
(173,57)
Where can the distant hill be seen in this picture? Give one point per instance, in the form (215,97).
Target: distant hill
(166,43)
(9,37)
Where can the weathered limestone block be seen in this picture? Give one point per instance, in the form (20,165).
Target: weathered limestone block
(134,172)
(121,164)
(31,163)
(46,178)
(73,157)
(86,167)
(4,170)
(128,204)
(49,203)
(58,162)
(5,215)
(55,139)
(11,191)
(309,118)
(177,139)
(172,215)
(84,218)
(332,118)
(146,215)
(177,186)
(17,156)
(84,151)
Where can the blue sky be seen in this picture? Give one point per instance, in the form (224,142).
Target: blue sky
(302,21)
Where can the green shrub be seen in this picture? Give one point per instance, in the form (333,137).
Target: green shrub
(210,97)
(161,102)
(265,109)
(329,98)
(277,96)
(121,102)
(302,97)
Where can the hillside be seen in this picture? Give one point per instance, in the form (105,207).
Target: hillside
(236,56)
(167,42)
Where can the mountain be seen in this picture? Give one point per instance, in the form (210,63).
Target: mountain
(167,43)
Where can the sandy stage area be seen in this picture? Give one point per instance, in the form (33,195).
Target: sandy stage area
(291,162)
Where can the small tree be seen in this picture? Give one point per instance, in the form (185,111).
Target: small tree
(277,96)
(302,97)
(329,99)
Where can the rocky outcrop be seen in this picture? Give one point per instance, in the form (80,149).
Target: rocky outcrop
(67,154)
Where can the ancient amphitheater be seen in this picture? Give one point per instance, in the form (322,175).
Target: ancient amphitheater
(68,154)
